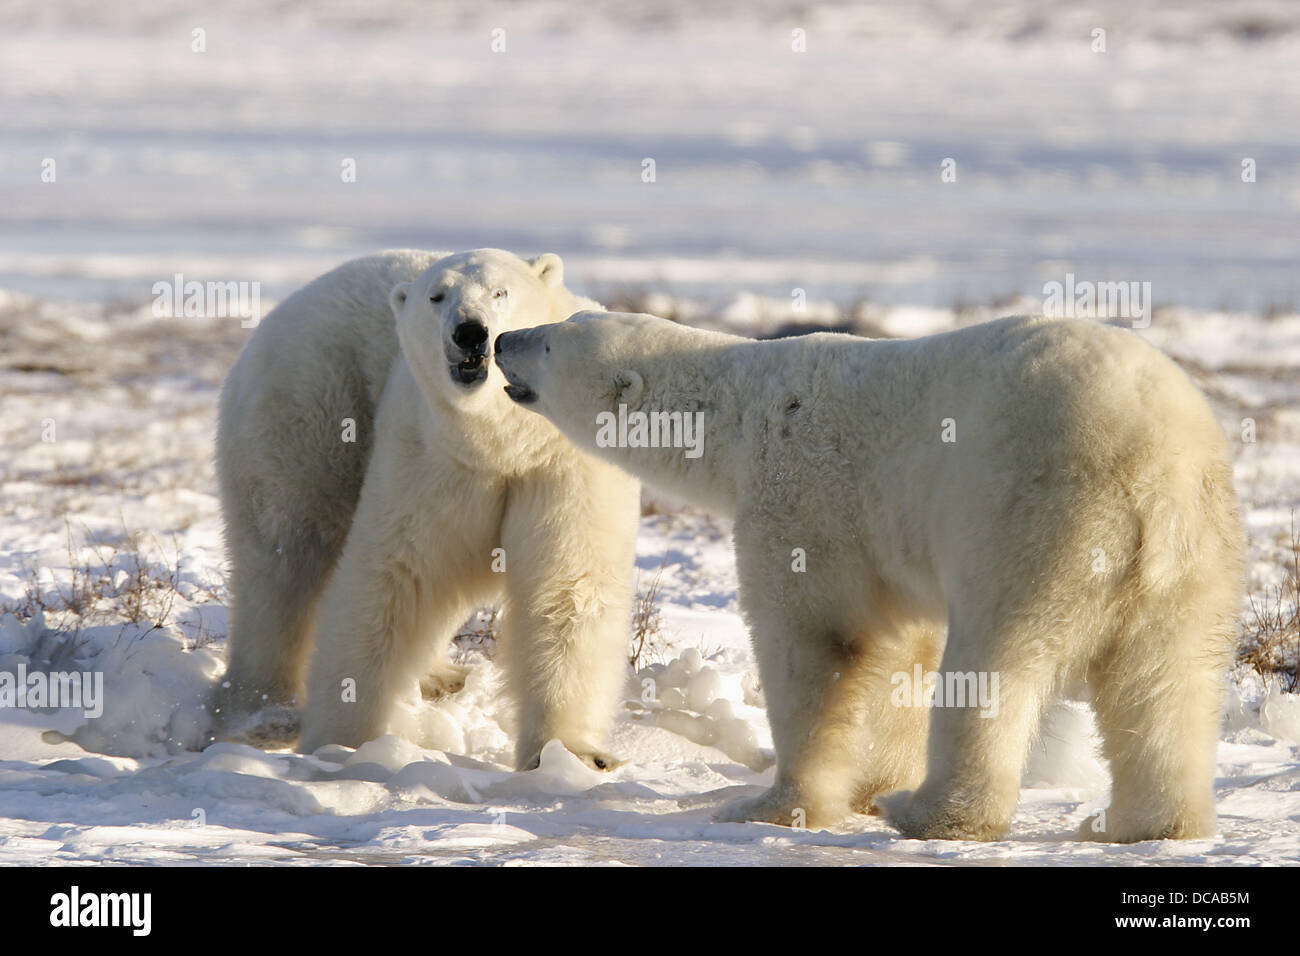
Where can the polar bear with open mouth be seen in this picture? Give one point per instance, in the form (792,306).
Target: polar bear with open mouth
(1057,493)
(377,486)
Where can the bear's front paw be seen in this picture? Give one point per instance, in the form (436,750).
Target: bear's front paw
(892,806)
(269,728)
(1109,826)
(778,806)
(919,817)
(443,681)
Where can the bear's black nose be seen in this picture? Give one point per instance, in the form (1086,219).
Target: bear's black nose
(470,335)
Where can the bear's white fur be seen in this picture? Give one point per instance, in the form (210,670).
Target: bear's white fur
(382,546)
(1078,526)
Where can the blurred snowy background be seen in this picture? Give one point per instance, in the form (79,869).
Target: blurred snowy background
(775,170)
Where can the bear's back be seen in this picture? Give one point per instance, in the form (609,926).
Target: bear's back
(297,409)
(341,320)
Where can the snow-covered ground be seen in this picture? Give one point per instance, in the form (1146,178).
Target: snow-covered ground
(774,171)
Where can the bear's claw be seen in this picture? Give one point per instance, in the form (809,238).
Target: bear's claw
(443,681)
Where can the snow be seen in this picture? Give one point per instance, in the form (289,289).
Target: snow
(774,173)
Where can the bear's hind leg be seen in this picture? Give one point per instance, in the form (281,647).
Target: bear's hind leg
(1158,695)
(274,594)
(978,747)
(897,736)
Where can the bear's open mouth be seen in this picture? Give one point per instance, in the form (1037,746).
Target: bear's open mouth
(516,390)
(521,394)
(470,370)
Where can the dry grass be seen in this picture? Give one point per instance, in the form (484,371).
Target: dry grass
(119,584)
(1271,638)
(480,633)
(648,640)
(202,636)
(483,625)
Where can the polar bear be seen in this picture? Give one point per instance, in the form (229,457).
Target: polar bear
(1057,493)
(376,487)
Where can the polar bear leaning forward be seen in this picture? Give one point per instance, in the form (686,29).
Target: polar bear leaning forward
(377,486)
(1057,493)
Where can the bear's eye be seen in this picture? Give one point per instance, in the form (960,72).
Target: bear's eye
(499,294)
(438,297)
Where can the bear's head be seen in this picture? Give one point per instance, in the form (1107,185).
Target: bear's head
(449,316)
(596,361)
(640,392)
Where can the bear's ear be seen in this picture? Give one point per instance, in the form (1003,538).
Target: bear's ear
(397,298)
(549,268)
(628,386)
